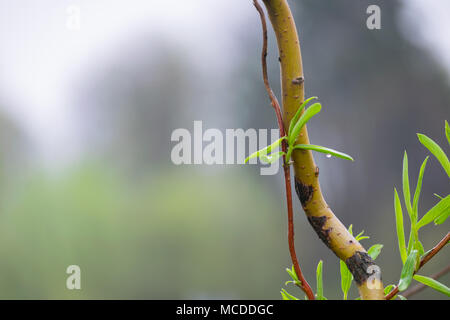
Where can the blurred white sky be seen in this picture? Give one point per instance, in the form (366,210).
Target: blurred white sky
(41,59)
(427,24)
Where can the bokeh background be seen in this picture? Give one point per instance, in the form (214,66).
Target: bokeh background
(86,118)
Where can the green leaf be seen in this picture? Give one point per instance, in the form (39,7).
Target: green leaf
(374,251)
(297,114)
(442,208)
(436,150)
(346,278)
(388,289)
(419,248)
(304,118)
(406,191)
(435,194)
(447,131)
(287,296)
(325,150)
(399,224)
(401,297)
(361,237)
(441,219)
(350,229)
(271,158)
(319,281)
(419,187)
(266,150)
(436,285)
(410,241)
(292,274)
(407,271)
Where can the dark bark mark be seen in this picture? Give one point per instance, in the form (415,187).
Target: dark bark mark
(317,223)
(298,80)
(304,192)
(358,265)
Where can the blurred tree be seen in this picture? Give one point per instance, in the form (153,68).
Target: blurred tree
(14,146)
(130,109)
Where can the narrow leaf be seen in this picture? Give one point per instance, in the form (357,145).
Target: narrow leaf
(297,114)
(419,248)
(325,150)
(436,150)
(271,158)
(442,208)
(435,194)
(359,235)
(406,190)
(292,274)
(319,281)
(388,289)
(266,150)
(441,219)
(287,296)
(399,224)
(419,188)
(374,251)
(447,131)
(283,296)
(407,271)
(410,241)
(304,118)
(436,285)
(346,278)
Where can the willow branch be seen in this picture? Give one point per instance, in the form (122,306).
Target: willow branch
(287,172)
(328,227)
(441,244)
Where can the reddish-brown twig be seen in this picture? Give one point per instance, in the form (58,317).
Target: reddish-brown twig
(435,250)
(419,287)
(287,172)
(273,98)
(424,260)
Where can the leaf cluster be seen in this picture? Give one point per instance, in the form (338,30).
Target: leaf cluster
(412,252)
(298,121)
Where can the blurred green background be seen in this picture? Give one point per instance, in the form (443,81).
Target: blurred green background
(97,188)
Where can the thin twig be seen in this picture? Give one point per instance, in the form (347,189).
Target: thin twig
(287,172)
(419,287)
(424,260)
(273,98)
(435,250)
